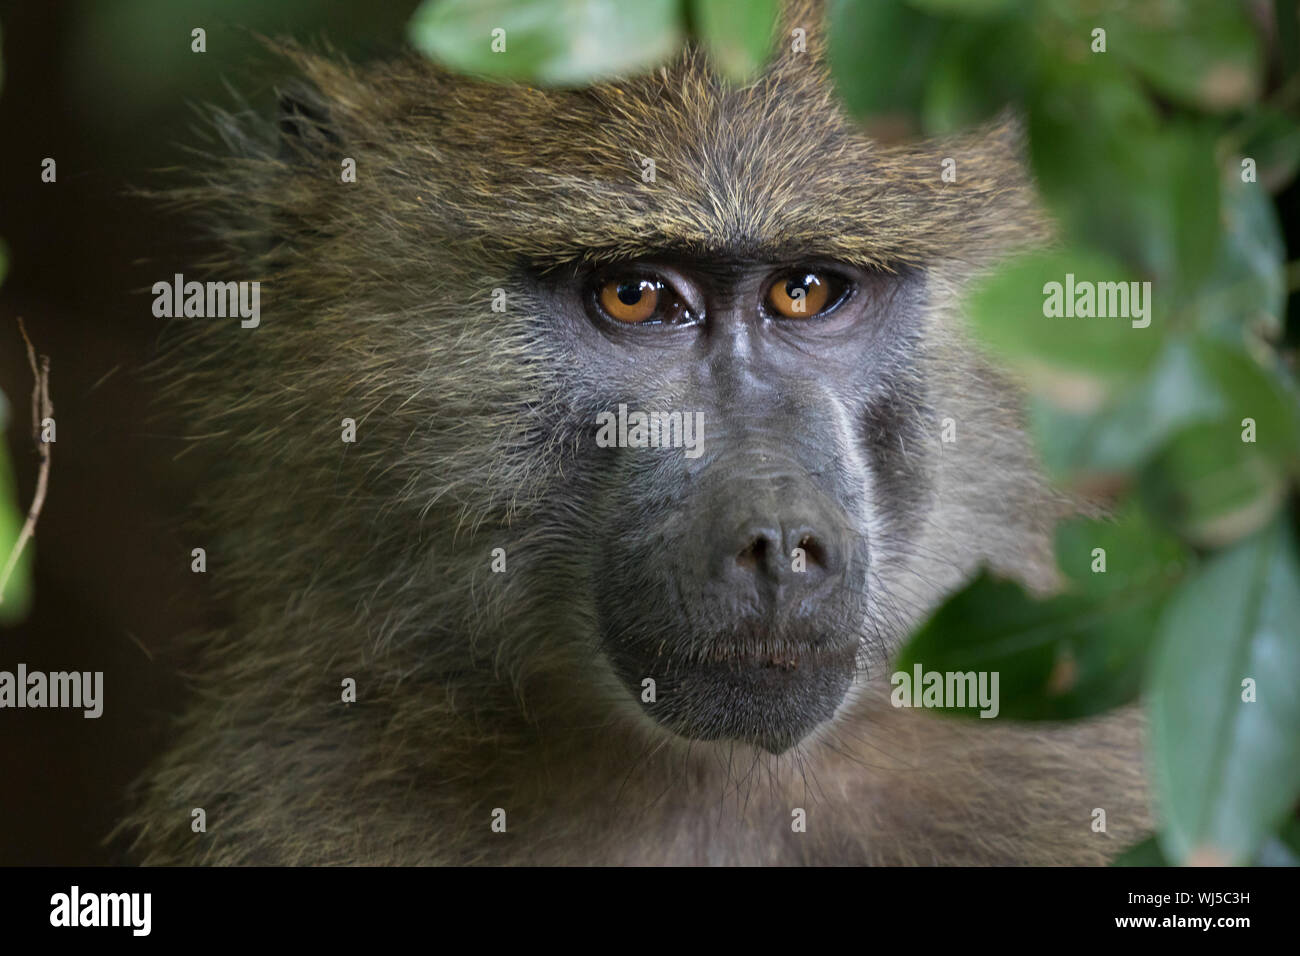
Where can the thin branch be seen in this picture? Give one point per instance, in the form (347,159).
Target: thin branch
(42,408)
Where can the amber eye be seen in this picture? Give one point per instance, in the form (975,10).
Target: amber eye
(631,300)
(801,295)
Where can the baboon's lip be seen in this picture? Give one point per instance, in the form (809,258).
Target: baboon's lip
(780,658)
(772,699)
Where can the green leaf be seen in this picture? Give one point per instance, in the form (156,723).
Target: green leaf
(1208,481)
(18,593)
(1273,141)
(1146,853)
(1183,176)
(548,42)
(1137,555)
(739,37)
(17,596)
(1251,391)
(1145,192)
(1073,361)
(1245,291)
(1227,771)
(1211,487)
(881,55)
(1200,53)
(1065,657)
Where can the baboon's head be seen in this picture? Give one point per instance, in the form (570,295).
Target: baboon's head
(740,295)
(665,341)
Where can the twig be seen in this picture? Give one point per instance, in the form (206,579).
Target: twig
(42,408)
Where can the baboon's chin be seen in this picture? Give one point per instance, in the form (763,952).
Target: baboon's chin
(771,700)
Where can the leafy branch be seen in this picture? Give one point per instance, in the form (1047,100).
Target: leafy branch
(42,409)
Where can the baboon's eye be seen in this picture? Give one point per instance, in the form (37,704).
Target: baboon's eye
(803,294)
(639,300)
(630,300)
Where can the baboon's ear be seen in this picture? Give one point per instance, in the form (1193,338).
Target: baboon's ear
(306,131)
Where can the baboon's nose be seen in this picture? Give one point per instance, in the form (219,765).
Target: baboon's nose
(776,545)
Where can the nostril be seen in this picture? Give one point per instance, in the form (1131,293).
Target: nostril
(814,551)
(754,556)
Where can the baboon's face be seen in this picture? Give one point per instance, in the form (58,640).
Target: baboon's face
(733,570)
(767,285)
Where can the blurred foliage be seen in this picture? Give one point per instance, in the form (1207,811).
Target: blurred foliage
(1158,131)
(739,36)
(17,593)
(547,43)
(1191,423)
(572,42)
(117,52)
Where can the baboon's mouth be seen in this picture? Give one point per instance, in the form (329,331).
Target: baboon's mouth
(771,698)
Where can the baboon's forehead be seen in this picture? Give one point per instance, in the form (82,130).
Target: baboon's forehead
(676,159)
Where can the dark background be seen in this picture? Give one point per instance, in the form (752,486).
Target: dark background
(107,89)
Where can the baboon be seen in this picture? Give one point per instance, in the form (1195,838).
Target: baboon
(509,264)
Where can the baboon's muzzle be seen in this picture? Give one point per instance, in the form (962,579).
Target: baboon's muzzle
(762,648)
